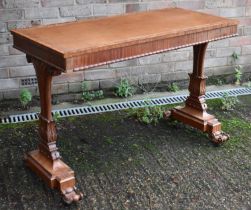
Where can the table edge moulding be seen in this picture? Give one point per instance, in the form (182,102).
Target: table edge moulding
(75,46)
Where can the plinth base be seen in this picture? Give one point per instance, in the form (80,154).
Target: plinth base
(202,121)
(55,173)
(195,118)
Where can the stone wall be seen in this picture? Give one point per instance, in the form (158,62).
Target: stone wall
(16,73)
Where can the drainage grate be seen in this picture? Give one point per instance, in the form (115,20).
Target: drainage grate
(122,105)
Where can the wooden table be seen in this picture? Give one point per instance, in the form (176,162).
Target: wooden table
(74,46)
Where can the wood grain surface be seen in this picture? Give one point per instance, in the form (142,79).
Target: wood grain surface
(87,43)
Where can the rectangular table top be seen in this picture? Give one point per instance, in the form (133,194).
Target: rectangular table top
(83,44)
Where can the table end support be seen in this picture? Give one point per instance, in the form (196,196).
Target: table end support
(46,160)
(194,112)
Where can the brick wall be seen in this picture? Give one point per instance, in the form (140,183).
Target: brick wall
(152,69)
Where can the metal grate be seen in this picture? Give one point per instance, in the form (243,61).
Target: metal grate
(29,81)
(76,111)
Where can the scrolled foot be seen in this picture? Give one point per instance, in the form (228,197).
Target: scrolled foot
(71,194)
(167,114)
(219,137)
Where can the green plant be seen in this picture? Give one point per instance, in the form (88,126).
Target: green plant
(238,74)
(248,85)
(25,97)
(228,102)
(124,89)
(173,87)
(238,68)
(235,56)
(219,82)
(108,141)
(56,116)
(216,80)
(148,115)
(90,95)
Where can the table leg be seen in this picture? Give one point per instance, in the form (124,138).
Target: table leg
(46,160)
(194,112)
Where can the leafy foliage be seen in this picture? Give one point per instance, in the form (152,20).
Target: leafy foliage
(238,74)
(218,80)
(235,56)
(173,87)
(148,115)
(124,89)
(228,102)
(91,95)
(25,97)
(56,117)
(238,68)
(248,85)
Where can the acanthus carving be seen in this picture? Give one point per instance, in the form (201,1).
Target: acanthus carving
(47,129)
(197,85)
(41,66)
(48,138)
(197,90)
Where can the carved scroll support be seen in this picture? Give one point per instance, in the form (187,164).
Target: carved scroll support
(46,160)
(194,112)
